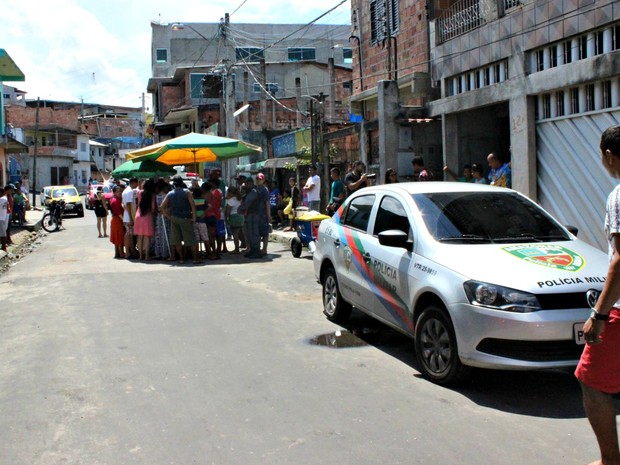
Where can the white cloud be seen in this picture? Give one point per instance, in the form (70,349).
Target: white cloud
(100,51)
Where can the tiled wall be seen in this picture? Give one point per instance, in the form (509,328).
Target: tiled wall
(521,29)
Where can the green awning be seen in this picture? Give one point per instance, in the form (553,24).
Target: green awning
(9,71)
(251,167)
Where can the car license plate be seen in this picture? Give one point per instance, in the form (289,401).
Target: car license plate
(578,334)
(69,206)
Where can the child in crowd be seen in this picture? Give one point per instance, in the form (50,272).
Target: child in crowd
(232,215)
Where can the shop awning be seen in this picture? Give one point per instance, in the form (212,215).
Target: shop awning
(280,162)
(251,167)
(9,71)
(10,145)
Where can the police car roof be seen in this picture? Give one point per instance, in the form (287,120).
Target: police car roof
(434,187)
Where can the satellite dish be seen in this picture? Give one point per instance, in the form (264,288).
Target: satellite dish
(241,110)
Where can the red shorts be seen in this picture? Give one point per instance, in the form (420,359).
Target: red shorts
(599,367)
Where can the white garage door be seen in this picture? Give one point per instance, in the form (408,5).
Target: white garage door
(572,184)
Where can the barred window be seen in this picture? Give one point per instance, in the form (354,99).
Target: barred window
(378,19)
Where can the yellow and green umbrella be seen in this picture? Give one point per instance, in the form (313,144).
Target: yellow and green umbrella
(194,148)
(143,169)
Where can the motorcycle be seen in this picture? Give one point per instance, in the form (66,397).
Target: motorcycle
(52,220)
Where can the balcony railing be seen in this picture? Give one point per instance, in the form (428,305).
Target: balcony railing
(508,4)
(460,18)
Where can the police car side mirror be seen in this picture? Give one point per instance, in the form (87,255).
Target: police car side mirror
(395,238)
(572,229)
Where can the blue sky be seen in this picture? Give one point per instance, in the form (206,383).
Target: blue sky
(99,50)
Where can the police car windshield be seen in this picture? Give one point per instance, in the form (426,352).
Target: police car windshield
(486,217)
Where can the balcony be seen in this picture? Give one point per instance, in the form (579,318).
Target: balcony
(461,17)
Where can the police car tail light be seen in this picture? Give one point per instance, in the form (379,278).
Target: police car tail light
(500,298)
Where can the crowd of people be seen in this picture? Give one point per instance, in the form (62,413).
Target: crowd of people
(166,220)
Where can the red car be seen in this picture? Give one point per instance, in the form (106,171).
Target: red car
(92,195)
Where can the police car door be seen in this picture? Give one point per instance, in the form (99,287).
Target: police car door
(389,292)
(350,249)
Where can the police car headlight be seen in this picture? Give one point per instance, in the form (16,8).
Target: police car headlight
(500,298)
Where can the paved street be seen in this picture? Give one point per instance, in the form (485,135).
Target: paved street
(116,362)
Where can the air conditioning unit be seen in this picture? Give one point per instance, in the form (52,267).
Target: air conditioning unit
(185,126)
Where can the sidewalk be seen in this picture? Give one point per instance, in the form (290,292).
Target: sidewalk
(283,237)
(22,235)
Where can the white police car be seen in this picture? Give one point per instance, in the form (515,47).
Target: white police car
(480,276)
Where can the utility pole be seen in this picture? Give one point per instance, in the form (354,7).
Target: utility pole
(388,34)
(34,156)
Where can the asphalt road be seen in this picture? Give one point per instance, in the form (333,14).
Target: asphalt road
(116,362)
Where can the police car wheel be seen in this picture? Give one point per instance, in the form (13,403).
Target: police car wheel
(296,247)
(436,347)
(334,307)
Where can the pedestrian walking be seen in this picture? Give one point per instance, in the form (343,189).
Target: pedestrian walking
(599,367)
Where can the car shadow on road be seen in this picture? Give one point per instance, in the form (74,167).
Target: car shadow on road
(541,393)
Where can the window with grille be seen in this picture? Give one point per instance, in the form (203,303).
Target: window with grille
(606,94)
(301,54)
(574,100)
(205,85)
(546,106)
(347,55)
(590,103)
(553,58)
(378,19)
(271,87)
(568,54)
(583,47)
(559,103)
(249,54)
(161,55)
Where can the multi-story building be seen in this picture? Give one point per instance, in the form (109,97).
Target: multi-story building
(73,141)
(537,82)
(10,148)
(260,80)
(391,85)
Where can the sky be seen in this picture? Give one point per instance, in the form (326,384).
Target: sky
(99,51)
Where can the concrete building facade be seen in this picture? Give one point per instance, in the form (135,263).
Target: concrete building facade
(276,76)
(536,82)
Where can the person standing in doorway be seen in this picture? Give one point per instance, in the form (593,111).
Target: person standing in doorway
(599,367)
(422,174)
(500,174)
(312,188)
(391,176)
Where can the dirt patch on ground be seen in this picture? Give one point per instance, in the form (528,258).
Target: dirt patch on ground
(24,242)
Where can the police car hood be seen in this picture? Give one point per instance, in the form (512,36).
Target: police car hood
(568,266)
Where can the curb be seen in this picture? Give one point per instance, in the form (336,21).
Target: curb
(21,239)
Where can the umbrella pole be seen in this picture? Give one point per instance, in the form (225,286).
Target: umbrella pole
(163,221)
